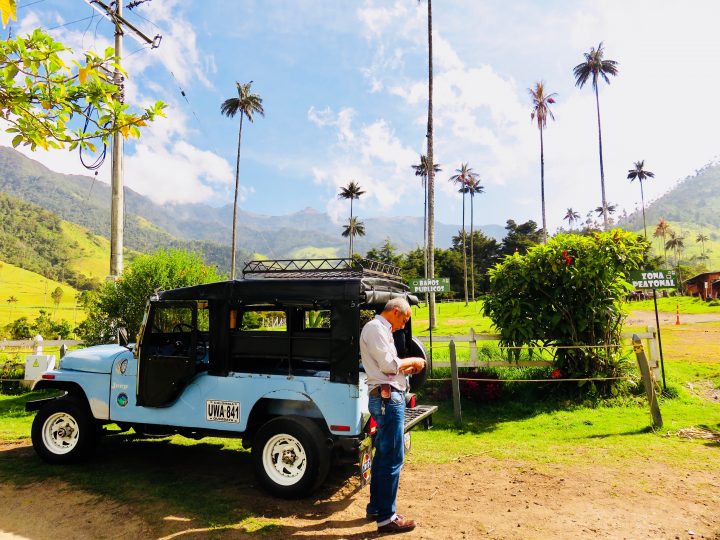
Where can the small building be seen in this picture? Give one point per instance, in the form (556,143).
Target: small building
(705,285)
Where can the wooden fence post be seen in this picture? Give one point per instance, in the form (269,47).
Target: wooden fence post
(473,347)
(455,384)
(648,381)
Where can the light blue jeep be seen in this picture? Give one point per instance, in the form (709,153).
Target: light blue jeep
(272,358)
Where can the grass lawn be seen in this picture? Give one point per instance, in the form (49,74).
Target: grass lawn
(537,431)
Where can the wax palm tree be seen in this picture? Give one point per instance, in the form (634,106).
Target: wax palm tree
(421,170)
(641,175)
(702,238)
(474,188)
(605,210)
(11,300)
(541,102)
(572,216)
(661,231)
(247,104)
(354,228)
(431,171)
(676,243)
(351,191)
(596,66)
(462,177)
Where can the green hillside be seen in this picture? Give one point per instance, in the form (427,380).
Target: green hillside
(33,293)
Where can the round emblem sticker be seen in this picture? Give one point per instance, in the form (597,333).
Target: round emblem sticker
(122,399)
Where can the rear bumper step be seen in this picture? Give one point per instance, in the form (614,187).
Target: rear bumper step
(419,413)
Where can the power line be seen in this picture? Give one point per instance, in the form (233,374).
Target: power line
(30,4)
(71,22)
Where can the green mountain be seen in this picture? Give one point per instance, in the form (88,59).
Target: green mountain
(691,209)
(81,200)
(694,200)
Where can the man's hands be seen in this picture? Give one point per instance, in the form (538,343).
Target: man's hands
(410,366)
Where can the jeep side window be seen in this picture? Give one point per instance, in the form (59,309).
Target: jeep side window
(171,330)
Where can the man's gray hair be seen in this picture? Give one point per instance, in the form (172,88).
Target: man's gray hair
(397,303)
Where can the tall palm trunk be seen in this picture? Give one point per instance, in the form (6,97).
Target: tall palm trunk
(464,237)
(425,229)
(542,185)
(350,252)
(472,251)
(602,172)
(642,201)
(664,248)
(237,183)
(431,173)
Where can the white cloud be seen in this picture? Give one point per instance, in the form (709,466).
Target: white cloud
(372,155)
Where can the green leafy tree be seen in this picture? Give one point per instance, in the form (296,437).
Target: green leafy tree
(593,68)
(640,174)
(44,100)
(541,102)
(246,104)
(485,253)
(56,296)
(20,329)
(568,292)
(387,253)
(520,238)
(122,302)
(351,192)
(354,228)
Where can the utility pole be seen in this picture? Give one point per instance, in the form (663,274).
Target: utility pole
(117,215)
(117,212)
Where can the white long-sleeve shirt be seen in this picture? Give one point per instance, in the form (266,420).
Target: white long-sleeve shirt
(379,355)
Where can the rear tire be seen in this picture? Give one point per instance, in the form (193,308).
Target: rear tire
(417,380)
(290,456)
(64,431)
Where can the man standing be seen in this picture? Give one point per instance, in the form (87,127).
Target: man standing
(387,383)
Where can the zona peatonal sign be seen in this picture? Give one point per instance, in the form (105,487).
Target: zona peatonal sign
(430,285)
(653,279)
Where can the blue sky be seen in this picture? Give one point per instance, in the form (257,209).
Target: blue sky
(344,89)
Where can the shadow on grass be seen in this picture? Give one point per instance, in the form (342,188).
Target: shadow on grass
(478,418)
(201,483)
(641,431)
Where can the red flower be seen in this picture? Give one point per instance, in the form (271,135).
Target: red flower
(568,258)
(556,374)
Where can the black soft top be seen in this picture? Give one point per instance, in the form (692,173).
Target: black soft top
(306,281)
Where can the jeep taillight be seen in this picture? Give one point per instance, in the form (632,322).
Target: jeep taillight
(412,402)
(372,427)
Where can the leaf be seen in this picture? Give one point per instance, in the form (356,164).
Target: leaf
(8,8)
(17,139)
(82,73)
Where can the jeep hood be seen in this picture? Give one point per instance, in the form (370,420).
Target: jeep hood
(98,359)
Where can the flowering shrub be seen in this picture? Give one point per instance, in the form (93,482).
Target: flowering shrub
(567,292)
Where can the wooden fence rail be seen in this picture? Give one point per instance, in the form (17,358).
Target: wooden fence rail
(472,338)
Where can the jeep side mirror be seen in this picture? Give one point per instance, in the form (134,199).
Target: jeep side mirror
(122,336)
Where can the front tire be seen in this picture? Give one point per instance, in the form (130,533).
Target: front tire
(290,456)
(64,431)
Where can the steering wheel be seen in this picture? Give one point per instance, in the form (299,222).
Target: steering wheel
(179,327)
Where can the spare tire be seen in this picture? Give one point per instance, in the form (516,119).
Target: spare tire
(417,380)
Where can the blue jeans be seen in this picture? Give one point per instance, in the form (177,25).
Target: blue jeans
(389,455)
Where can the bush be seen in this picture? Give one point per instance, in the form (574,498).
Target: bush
(122,302)
(568,292)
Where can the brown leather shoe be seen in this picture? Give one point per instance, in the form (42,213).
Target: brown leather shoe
(397,526)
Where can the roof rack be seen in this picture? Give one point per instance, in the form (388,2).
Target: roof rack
(319,268)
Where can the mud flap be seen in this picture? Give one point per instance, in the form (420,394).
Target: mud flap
(366,454)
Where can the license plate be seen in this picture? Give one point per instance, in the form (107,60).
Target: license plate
(222,411)
(365,464)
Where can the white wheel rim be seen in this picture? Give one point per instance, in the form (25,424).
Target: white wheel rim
(60,433)
(284,459)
